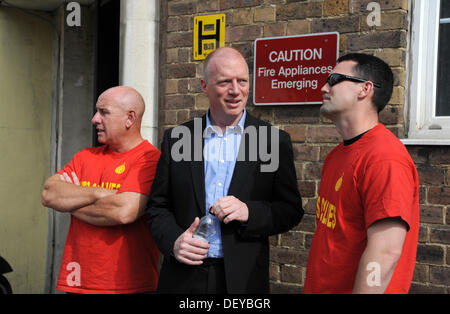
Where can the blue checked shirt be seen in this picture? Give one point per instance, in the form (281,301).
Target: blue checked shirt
(220,153)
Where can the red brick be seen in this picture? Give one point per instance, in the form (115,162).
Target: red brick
(274,30)
(431,214)
(183,39)
(308,223)
(391,115)
(274,272)
(430,254)
(210,5)
(376,40)
(241,17)
(245,33)
(431,175)
(441,155)
(307,188)
(291,274)
(181,70)
(439,195)
(297,133)
(299,171)
(323,134)
(440,235)
(361,5)
(418,154)
(264,14)
(440,275)
(335,7)
(298,114)
(182,116)
(298,27)
(343,24)
(324,151)
(426,289)
(310,206)
(388,21)
(292,239)
(168,117)
(305,152)
(288,256)
(421,273)
(179,102)
(312,171)
(298,11)
(181,7)
(424,234)
(231,4)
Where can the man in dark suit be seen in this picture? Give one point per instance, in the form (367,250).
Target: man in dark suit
(233,168)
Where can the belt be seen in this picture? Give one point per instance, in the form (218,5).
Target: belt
(212,261)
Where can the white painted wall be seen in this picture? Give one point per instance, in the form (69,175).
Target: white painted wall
(139,49)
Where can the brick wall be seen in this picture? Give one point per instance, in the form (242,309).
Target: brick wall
(313,136)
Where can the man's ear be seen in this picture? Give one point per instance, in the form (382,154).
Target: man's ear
(366,90)
(131,118)
(203,84)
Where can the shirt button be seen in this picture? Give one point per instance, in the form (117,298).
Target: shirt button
(222,161)
(219,184)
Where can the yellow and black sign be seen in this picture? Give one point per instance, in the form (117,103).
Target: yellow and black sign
(209,34)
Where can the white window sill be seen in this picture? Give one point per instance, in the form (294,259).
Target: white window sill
(410,141)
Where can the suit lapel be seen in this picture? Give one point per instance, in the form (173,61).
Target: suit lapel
(242,168)
(197,164)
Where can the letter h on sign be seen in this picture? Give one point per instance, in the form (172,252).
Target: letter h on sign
(209,34)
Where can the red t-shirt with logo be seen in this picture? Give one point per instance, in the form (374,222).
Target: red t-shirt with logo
(371,179)
(117,259)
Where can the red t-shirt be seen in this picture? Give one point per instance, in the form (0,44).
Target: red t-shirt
(371,179)
(118,259)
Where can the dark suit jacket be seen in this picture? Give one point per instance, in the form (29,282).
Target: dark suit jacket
(178,196)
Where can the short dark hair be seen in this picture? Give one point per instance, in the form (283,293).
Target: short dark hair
(376,70)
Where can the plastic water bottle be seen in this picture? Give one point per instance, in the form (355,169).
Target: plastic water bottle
(205,228)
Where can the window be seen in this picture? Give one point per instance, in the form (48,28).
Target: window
(429,68)
(443,74)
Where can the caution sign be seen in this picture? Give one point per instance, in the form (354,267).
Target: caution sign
(291,70)
(209,34)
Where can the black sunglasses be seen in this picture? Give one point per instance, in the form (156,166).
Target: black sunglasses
(335,78)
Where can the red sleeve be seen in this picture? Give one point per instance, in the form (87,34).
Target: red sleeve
(387,190)
(141,173)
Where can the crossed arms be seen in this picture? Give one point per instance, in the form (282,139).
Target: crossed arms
(94,205)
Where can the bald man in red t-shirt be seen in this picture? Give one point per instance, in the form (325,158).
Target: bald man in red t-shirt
(109,248)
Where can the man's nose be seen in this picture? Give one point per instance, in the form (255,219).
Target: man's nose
(325,88)
(96,118)
(234,88)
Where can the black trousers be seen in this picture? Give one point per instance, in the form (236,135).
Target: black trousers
(209,278)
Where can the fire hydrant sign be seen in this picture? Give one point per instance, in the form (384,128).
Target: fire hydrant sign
(291,70)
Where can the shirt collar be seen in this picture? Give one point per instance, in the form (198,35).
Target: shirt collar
(214,129)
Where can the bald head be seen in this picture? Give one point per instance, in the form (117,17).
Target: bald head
(127,98)
(224,53)
(118,118)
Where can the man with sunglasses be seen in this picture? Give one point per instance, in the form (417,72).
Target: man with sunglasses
(367,211)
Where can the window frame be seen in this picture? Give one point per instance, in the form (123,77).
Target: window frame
(425,128)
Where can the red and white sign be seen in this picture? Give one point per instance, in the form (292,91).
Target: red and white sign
(291,70)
